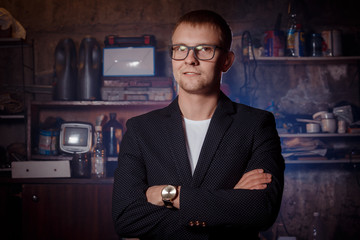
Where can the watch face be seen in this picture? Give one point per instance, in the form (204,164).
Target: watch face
(169,192)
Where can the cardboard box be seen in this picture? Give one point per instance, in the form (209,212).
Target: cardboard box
(274,43)
(41,169)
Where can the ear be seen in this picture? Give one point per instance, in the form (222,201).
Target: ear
(228,61)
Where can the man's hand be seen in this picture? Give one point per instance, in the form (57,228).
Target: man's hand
(153,196)
(255,179)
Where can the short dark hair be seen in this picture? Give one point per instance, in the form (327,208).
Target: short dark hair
(208,17)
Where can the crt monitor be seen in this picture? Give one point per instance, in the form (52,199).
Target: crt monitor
(75,137)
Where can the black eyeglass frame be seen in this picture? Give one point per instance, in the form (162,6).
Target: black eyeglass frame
(193,48)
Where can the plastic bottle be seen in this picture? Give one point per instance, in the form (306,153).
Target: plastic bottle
(290,37)
(65,70)
(112,133)
(89,78)
(98,159)
(316,231)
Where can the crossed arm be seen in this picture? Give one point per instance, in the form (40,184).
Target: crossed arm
(255,179)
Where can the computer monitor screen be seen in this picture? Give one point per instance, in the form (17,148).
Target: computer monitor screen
(75,137)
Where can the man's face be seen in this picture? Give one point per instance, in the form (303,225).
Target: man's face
(199,76)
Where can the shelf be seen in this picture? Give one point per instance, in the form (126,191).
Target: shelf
(308,60)
(51,157)
(5,169)
(318,135)
(13,42)
(17,116)
(99,103)
(109,180)
(331,161)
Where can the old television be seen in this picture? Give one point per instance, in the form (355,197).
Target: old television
(75,137)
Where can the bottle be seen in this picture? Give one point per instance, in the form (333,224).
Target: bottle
(290,37)
(112,133)
(65,70)
(98,159)
(316,231)
(316,45)
(89,78)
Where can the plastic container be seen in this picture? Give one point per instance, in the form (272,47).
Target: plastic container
(290,36)
(65,71)
(98,158)
(48,142)
(89,81)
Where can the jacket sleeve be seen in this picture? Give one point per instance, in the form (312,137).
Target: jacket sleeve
(242,208)
(133,216)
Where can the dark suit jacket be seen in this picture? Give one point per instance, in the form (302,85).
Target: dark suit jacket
(153,152)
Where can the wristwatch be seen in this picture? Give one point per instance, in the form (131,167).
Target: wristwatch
(168,194)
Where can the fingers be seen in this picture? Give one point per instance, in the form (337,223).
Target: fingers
(255,179)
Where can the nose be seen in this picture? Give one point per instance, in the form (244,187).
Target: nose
(191,59)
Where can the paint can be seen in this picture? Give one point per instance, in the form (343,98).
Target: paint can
(332,40)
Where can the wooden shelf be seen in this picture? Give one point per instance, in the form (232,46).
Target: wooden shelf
(308,60)
(99,103)
(13,42)
(330,161)
(318,135)
(15,116)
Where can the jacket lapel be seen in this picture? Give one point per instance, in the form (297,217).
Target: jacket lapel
(220,122)
(176,143)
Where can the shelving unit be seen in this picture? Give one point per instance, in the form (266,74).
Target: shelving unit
(331,139)
(79,111)
(24,74)
(16,71)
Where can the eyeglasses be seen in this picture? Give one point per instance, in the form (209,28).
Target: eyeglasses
(201,52)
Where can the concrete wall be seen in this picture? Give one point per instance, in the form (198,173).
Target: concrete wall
(49,21)
(296,89)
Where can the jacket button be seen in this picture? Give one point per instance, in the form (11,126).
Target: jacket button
(191,224)
(197,223)
(203,224)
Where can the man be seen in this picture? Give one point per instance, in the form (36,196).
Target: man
(203,167)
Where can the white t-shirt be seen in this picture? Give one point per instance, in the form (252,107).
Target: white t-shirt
(195,132)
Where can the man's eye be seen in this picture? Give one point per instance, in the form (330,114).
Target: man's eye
(182,48)
(203,48)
